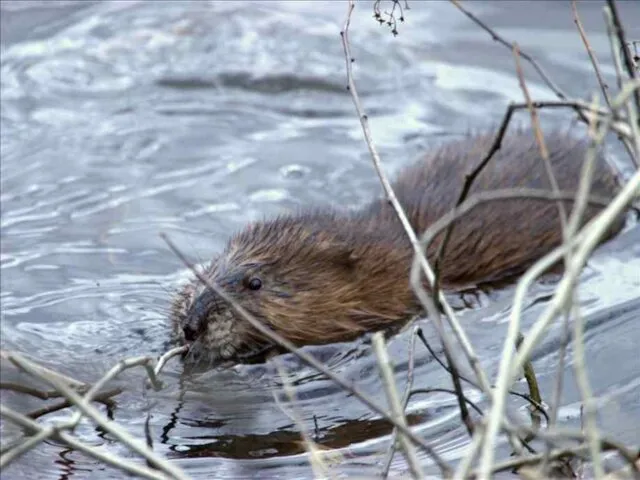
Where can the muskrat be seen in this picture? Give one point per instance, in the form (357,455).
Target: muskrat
(322,275)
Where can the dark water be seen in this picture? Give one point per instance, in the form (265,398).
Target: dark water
(121,120)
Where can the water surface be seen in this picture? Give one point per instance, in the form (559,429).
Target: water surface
(121,120)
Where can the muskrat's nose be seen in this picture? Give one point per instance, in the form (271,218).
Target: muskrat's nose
(191,328)
(194,323)
(196,319)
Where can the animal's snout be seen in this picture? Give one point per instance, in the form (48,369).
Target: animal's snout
(191,328)
(197,316)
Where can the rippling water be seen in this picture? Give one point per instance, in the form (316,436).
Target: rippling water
(120,120)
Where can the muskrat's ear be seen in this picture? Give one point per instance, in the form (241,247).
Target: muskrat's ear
(347,258)
(340,253)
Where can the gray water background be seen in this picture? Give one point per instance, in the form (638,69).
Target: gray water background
(121,120)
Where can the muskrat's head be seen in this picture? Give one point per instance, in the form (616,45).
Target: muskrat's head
(307,277)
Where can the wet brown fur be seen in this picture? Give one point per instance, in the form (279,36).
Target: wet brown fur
(330,276)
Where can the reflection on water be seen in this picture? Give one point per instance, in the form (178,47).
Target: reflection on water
(120,120)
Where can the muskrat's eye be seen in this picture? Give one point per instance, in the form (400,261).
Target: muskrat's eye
(253,283)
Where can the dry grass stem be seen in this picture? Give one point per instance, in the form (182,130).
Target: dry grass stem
(316,456)
(499,195)
(542,146)
(67,387)
(396,407)
(405,400)
(574,222)
(508,370)
(593,232)
(43,371)
(59,434)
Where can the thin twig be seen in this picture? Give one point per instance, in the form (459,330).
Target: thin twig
(562,213)
(572,228)
(517,443)
(632,108)
(452,369)
(102,397)
(561,434)
(593,233)
(622,40)
(161,362)
(519,462)
(26,445)
(33,392)
(502,194)
(424,297)
(590,52)
(44,371)
(586,179)
(427,391)
(534,392)
(536,405)
(551,84)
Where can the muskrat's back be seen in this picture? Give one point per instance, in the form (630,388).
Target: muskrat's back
(504,236)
